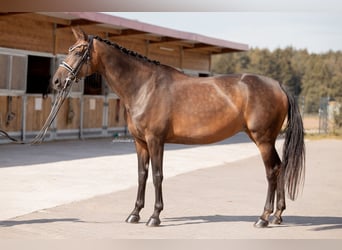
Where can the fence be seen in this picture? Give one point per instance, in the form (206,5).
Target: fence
(327,119)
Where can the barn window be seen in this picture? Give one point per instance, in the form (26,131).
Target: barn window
(93,85)
(4,71)
(18,72)
(12,72)
(38,75)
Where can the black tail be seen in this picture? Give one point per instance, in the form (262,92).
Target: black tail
(294,150)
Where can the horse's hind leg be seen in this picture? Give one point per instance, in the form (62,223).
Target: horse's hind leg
(281,205)
(272,166)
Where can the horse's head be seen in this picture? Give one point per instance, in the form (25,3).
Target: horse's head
(78,63)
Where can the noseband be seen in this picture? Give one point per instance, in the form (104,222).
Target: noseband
(73,72)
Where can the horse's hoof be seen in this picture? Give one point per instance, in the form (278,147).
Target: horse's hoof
(153,222)
(132,218)
(261,223)
(277,220)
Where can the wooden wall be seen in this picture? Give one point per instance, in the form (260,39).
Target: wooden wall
(92,111)
(16,109)
(70,114)
(37,111)
(138,45)
(196,61)
(116,113)
(23,31)
(169,55)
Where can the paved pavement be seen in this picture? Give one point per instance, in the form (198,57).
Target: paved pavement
(86,189)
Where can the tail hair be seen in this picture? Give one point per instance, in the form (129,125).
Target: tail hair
(294,150)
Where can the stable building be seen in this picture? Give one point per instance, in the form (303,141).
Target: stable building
(32,45)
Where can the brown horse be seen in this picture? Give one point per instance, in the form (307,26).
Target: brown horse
(163,105)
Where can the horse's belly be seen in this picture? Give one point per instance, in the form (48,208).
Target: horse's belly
(205,128)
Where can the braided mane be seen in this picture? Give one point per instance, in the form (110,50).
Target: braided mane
(127,51)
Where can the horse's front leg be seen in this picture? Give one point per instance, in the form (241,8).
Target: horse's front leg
(156,149)
(143,162)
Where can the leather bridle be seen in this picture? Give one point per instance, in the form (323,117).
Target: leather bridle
(73,72)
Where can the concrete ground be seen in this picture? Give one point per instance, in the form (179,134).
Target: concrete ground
(86,189)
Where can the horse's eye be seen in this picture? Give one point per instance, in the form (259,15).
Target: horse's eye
(78,53)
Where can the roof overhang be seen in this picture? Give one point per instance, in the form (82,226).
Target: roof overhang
(115,26)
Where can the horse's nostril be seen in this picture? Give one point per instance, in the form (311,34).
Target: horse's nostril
(56,81)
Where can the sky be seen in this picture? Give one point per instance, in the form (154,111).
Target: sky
(316,31)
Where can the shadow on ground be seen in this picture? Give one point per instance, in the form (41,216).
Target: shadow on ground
(12,155)
(11,223)
(320,223)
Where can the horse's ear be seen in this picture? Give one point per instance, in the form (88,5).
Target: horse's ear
(79,34)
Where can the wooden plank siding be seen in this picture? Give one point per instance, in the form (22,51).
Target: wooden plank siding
(93,111)
(197,61)
(116,113)
(70,114)
(37,111)
(26,33)
(14,123)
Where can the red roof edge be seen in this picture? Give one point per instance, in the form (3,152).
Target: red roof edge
(154,29)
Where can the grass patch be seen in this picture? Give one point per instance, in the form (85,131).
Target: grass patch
(337,134)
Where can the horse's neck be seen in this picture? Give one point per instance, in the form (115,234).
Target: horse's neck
(124,74)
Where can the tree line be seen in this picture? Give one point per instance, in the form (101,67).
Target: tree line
(307,76)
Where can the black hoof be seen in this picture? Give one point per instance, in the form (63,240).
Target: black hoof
(153,222)
(277,220)
(132,218)
(261,223)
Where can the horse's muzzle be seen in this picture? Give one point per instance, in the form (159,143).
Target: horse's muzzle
(56,83)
